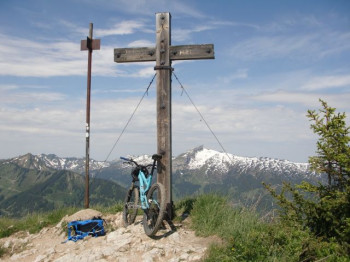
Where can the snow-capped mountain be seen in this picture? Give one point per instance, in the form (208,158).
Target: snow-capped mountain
(51,161)
(208,161)
(218,164)
(203,170)
(199,170)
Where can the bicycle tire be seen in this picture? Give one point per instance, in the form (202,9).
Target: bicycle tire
(154,216)
(130,213)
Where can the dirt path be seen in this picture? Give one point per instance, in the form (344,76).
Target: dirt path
(121,244)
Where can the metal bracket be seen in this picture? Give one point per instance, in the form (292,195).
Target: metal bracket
(163,68)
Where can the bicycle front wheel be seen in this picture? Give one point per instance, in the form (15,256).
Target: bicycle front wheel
(131,206)
(154,215)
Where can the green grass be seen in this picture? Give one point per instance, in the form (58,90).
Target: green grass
(248,238)
(118,207)
(2,251)
(245,236)
(33,222)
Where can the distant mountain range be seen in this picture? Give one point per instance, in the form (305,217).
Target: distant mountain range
(30,184)
(53,162)
(196,171)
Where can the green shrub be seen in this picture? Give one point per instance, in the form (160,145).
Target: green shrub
(248,238)
(323,209)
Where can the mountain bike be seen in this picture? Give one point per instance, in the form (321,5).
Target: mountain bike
(151,197)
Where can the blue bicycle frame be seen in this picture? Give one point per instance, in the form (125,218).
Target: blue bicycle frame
(145,184)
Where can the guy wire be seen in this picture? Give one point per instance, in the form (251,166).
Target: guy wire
(129,120)
(202,117)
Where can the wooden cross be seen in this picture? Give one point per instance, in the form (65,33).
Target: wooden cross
(164,54)
(88,44)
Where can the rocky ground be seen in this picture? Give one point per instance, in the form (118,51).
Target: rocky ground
(119,243)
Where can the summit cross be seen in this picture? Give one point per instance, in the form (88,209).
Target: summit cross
(163,54)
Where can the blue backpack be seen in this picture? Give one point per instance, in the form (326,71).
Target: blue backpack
(80,229)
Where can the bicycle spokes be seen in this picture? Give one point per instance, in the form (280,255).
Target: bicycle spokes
(131,205)
(154,215)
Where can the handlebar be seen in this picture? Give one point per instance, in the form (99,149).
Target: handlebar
(130,160)
(154,157)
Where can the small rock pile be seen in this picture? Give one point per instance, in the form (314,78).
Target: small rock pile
(119,244)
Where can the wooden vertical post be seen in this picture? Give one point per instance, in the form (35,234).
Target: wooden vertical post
(88,100)
(88,44)
(163,67)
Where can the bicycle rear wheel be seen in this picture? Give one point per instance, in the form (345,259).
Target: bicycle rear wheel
(131,206)
(153,217)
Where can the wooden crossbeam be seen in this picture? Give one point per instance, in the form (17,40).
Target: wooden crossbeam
(142,54)
(181,52)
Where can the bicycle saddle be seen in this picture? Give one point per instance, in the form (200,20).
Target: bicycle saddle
(156,157)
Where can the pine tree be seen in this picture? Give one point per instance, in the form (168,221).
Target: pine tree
(333,151)
(324,209)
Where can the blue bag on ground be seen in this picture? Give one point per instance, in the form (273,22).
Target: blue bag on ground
(80,229)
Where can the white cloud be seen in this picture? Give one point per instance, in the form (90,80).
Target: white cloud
(40,59)
(181,35)
(272,47)
(220,23)
(286,23)
(306,99)
(296,46)
(8,87)
(141,43)
(239,74)
(63,58)
(144,72)
(148,7)
(25,95)
(122,28)
(33,97)
(323,82)
(128,91)
(42,131)
(72,27)
(41,122)
(65,122)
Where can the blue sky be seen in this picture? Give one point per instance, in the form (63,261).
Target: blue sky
(273,61)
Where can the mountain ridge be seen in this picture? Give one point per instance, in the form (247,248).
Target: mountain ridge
(53,162)
(192,159)
(199,170)
(25,190)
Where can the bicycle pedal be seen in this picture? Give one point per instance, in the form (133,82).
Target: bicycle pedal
(133,206)
(162,226)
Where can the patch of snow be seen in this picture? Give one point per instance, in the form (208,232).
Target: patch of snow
(201,157)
